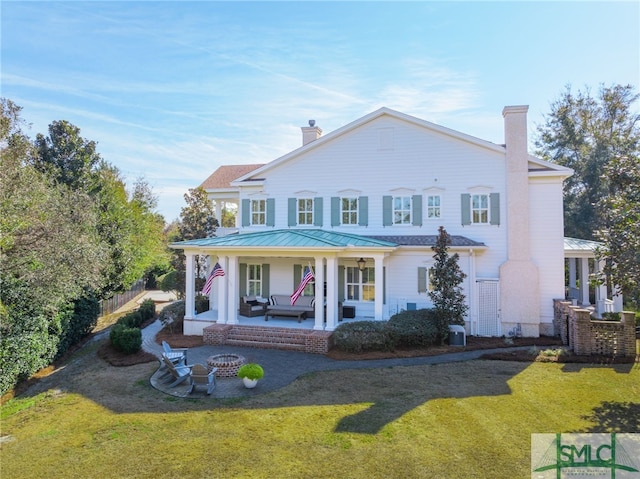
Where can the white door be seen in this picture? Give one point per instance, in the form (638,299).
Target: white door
(488,308)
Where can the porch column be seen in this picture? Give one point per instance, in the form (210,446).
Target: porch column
(573,290)
(189,287)
(332,293)
(319,313)
(379,285)
(232,292)
(584,281)
(601,289)
(222,289)
(218,211)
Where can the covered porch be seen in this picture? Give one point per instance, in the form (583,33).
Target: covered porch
(267,262)
(582,269)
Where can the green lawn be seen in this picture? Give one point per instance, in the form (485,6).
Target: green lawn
(465,420)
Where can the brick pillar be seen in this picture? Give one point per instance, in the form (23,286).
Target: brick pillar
(628,321)
(582,343)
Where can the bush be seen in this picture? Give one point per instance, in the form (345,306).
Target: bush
(147,309)
(362,336)
(173,315)
(202,304)
(415,328)
(131,320)
(251,371)
(125,339)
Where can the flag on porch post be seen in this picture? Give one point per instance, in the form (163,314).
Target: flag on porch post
(306,278)
(215,272)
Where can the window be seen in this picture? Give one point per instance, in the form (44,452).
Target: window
(425,279)
(360,285)
(349,211)
(401,210)
(305,211)
(479,209)
(258,212)
(433,206)
(254,280)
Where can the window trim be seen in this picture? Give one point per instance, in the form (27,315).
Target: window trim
(263,213)
(362,288)
(355,210)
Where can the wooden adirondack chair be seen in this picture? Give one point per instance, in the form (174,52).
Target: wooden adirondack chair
(179,373)
(200,376)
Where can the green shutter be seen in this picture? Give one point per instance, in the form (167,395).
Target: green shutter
(317,211)
(465,206)
(293,211)
(341,292)
(335,211)
(246,212)
(243,279)
(416,214)
(271,212)
(265,281)
(494,205)
(297,276)
(387,210)
(363,211)
(422,279)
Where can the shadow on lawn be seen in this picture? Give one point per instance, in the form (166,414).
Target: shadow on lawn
(615,417)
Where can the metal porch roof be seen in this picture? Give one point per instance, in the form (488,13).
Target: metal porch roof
(575,244)
(293,238)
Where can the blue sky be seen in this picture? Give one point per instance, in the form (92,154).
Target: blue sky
(172,90)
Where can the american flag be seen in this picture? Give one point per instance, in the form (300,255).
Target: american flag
(215,272)
(306,278)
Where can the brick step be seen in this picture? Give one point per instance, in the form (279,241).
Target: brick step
(266,339)
(266,345)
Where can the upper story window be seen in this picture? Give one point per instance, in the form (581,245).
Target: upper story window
(305,211)
(402,210)
(258,212)
(479,209)
(433,206)
(349,211)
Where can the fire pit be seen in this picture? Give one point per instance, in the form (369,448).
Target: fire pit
(227,364)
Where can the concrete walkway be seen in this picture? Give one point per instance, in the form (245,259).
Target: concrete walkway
(281,367)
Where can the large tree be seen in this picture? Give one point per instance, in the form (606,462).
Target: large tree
(587,133)
(196,221)
(50,255)
(620,232)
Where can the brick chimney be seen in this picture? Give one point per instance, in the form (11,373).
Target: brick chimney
(310,133)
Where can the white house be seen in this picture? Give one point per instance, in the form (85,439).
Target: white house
(362,206)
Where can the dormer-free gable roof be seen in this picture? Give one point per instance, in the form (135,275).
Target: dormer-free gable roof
(258,173)
(223,176)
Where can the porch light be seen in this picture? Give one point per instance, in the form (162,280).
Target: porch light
(361,263)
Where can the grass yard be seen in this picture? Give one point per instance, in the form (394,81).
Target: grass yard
(462,420)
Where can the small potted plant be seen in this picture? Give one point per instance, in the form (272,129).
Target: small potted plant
(250,373)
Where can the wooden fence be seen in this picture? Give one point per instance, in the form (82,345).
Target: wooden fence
(108,306)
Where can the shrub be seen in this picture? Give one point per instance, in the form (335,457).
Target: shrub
(611,316)
(415,328)
(125,339)
(173,315)
(362,336)
(131,320)
(147,309)
(202,304)
(251,371)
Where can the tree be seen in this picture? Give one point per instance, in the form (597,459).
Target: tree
(65,155)
(196,221)
(446,277)
(586,134)
(620,233)
(50,255)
